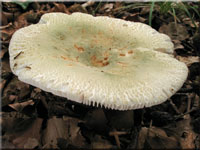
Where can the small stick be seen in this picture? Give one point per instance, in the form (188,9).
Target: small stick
(116,136)
(88,3)
(174,106)
(118,133)
(194,107)
(6,26)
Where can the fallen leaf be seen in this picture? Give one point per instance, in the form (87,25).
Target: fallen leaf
(142,137)
(188,60)
(160,118)
(177,44)
(20,106)
(99,143)
(11,16)
(9,119)
(31,143)
(175,31)
(145,11)
(107,7)
(77,8)
(56,128)
(59,7)
(65,128)
(184,130)
(4,20)
(2,53)
(16,87)
(22,137)
(135,18)
(6,144)
(88,4)
(156,138)
(75,135)
(188,21)
(188,141)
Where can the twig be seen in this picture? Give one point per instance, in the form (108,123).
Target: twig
(194,107)
(117,132)
(196,102)
(116,136)
(190,96)
(88,3)
(6,26)
(174,106)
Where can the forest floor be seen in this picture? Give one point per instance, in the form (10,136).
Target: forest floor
(32,118)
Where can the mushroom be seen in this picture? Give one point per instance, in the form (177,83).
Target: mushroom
(102,61)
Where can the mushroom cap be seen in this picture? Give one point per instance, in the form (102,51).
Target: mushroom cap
(97,61)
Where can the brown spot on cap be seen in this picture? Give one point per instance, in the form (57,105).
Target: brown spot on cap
(98,63)
(130,52)
(106,63)
(80,49)
(106,58)
(121,54)
(27,67)
(66,58)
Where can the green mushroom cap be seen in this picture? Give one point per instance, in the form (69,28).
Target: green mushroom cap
(97,60)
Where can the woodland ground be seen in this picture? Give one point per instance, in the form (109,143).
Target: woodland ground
(32,118)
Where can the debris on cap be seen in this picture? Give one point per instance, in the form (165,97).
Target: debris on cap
(98,61)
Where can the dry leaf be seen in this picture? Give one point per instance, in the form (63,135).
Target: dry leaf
(107,7)
(32,132)
(156,138)
(99,143)
(135,18)
(142,137)
(88,4)
(62,128)
(31,143)
(77,8)
(188,141)
(18,88)
(175,31)
(75,135)
(188,21)
(4,20)
(2,52)
(188,60)
(9,119)
(59,7)
(184,130)
(20,106)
